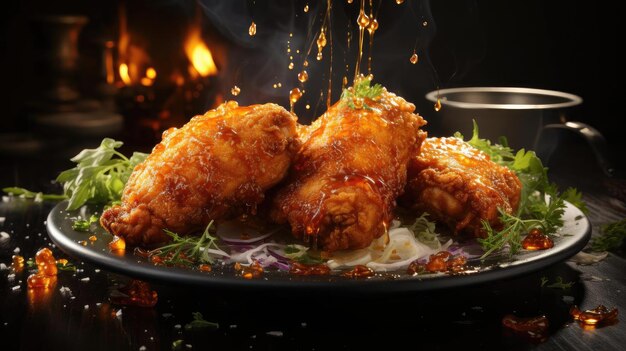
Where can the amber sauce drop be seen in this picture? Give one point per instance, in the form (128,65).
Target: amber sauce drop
(442,261)
(249,272)
(595,317)
(303,76)
(321,43)
(136,293)
(533,329)
(18,263)
(438,105)
(294,95)
(399,2)
(371,29)
(305,269)
(235,90)
(413,58)
(359,271)
(536,240)
(46,270)
(117,244)
(306,8)
(252,29)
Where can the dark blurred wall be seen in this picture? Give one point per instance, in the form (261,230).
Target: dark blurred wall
(561,45)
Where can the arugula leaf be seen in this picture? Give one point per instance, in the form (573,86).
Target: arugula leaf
(362,89)
(612,237)
(100,174)
(38,196)
(83,225)
(199,322)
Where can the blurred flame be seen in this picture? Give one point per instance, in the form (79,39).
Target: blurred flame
(199,54)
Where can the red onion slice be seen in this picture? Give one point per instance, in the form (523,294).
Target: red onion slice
(237,233)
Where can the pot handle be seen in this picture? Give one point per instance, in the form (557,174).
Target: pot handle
(545,146)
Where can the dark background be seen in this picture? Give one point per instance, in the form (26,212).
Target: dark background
(560,45)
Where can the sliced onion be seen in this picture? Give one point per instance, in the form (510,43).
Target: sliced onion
(246,256)
(237,233)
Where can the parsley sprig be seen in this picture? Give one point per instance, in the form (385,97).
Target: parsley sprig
(612,237)
(541,204)
(199,322)
(83,225)
(188,250)
(362,89)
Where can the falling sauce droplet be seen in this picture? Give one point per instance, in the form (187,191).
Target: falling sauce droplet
(235,90)
(319,56)
(252,29)
(321,40)
(275,86)
(413,58)
(425,23)
(363,21)
(438,105)
(303,76)
(399,2)
(305,63)
(294,95)
(350,1)
(308,107)
(279,84)
(344,82)
(306,8)
(290,65)
(373,26)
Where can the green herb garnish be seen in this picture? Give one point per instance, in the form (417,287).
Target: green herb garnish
(536,210)
(301,254)
(188,250)
(611,237)
(424,231)
(559,284)
(362,89)
(199,322)
(83,225)
(544,281)
(100,174)
(177,344)
(69,267)
(38,196)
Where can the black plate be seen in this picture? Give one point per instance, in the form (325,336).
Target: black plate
(572,238)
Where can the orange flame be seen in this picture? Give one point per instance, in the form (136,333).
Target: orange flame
(199,54)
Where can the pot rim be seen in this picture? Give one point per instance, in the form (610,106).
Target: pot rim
(570,99)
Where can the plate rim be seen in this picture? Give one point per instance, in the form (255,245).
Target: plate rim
(178,276)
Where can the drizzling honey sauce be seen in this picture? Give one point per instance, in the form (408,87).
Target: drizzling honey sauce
(533,329)
(413,58)
(136,293)
(305,269)
(294,95)
(290,65)
(438,105)
(359,271)
(595,317)
(536,240)
(252,29)
(306,8)
(235,90)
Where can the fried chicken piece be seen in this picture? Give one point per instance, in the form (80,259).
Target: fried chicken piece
(217,165)
(344,181)
(459,185)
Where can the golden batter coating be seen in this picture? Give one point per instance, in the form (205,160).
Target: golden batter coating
(217,165)
(459,185)
(343,184)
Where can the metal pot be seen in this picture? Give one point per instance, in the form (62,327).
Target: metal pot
(527,117)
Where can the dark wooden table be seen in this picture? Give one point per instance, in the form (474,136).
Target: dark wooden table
(467,318)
